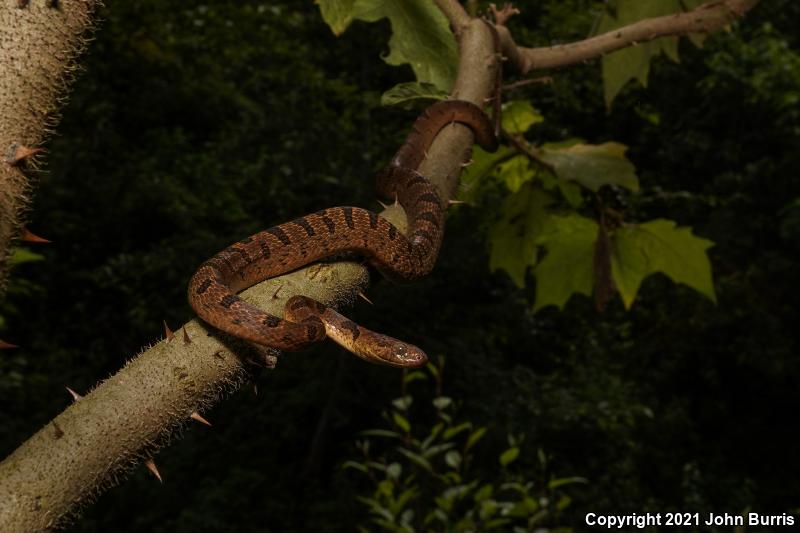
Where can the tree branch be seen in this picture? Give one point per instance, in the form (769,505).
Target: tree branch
(703,19)
(90,446)
(455,14)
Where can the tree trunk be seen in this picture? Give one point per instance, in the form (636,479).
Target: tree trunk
(39,41)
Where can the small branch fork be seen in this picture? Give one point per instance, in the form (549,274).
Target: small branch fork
(706,18)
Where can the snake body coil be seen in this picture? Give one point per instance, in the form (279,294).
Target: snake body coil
(289,246)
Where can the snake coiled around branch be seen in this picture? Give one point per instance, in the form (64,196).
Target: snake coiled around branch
(289,246)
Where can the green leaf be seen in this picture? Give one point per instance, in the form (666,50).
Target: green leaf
(380,433)
(484,493)
(435,431)
(513,238)
(482,165)
(515,172)
(410,91)
(474,437)
(22,255)
(436,450)
(567,267)
(401,422)
(394,470)
(337,14)
(509,456)
(571,191)
(453,459)
(453,431)
(633,62)
(421,37)
(660,246)
(416,459)
(404,498)
(403,403)
(592,165)
(414,376)
(442,402)
(519,116)
(355,466)
(560,482)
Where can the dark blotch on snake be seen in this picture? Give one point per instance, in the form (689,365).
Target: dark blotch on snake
(280,234)
(303,223)
(352,327)
(271,321)
(428,197)
(428,217)
(204,286)
(228,300)
(348,217)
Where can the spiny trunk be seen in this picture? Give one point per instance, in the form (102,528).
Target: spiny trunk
(39,40)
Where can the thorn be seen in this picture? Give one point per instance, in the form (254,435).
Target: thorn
(18,153)
(396,200)
(186,339)
(455,202)
(58,432)
(75,395)
(364,297)
(466,164)
(383,205)
(255,389)
(196,416)
(151,466)
(28,236)
(7,345)
(168,331)
(275,294)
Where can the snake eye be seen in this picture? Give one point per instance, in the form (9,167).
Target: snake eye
(400,351)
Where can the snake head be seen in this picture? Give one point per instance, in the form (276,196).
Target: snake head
(390,351)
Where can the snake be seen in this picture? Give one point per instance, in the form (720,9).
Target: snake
(333,231)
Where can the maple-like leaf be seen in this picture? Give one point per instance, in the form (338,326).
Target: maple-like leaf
(519,116)
(566,269)
(592,165)
(337,14)
(420,37)
(660,246)
(633,62)
(514,238)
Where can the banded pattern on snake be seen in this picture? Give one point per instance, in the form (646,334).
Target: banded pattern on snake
(289,246)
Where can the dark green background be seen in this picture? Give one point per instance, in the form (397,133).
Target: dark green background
(195,124)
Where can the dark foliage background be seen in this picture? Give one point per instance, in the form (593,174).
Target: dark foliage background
(197,123)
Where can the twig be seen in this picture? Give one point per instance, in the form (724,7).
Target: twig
(524,83)
(532,153)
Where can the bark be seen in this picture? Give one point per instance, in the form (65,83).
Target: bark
(39,41)
(90,446)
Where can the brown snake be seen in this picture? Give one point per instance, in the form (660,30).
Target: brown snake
(289,246)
